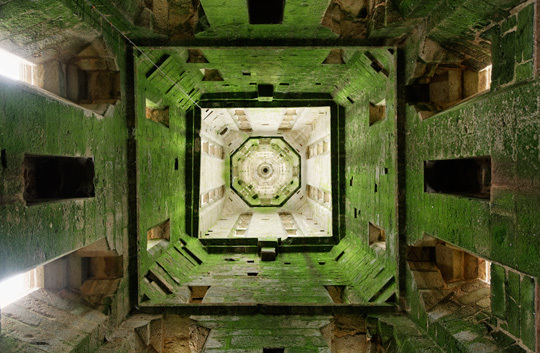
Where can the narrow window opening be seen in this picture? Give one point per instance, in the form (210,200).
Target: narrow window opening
(51,178)
(355,213)
(159,233)
(265,92)
(266,12)
(197,294)
(351,181)
(176,163)
(246,73)
(437,265)
(340,256)
(273,350)
(157,112)
(336,293)
(376,64)
(469,177)
(15,68)
(196,56)
(19,286)
(223,131)
(442,87)
(350,100)
(252,274)
(377,112)
(212,75)
(335,57)
(160,62)
(377,237)
(375,189)
(193,256)
(322,263)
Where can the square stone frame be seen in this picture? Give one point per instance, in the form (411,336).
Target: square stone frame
(249,100)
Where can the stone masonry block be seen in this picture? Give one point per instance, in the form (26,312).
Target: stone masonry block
(527,317)
(498,298)
(512,303)
(268,254)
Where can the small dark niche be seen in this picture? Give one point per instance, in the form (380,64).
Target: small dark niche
(53,178)
(266,12)
(469,177)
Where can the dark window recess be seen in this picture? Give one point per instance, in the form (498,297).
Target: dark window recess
(265,92)
(351,181)
(355,213)
(266,12)
(350,100)
(196,56)
(211,75)
(197,293)
(335,57)
(377,235)
(336,293)
(3,157)
(176,164)
(376,64)
(273,350)
(375,187)
(160,62)
(50,178)
(157,113)
(224,131)
(377,112)
(340,255)
(465,177)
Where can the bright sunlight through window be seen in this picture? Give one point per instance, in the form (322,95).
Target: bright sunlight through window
(17,287)
(14,67)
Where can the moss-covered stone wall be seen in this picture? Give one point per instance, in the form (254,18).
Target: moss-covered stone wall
(370,166)
(160,149)
(34,122)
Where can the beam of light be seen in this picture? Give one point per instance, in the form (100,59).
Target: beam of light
(16,287)
(11,65)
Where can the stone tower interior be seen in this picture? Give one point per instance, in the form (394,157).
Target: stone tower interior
(270,176)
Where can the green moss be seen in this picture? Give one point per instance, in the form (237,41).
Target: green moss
(498,291)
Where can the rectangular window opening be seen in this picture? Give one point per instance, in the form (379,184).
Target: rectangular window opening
(340,256)
(159,233)
(157,113)
(266,12)
(336,293)
(19,286)
(197,294)
(377,237)
(470,177)
(273,350)
(377,112)
(53,178)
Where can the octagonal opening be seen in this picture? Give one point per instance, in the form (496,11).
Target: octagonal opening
(265,171)
(268,172)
